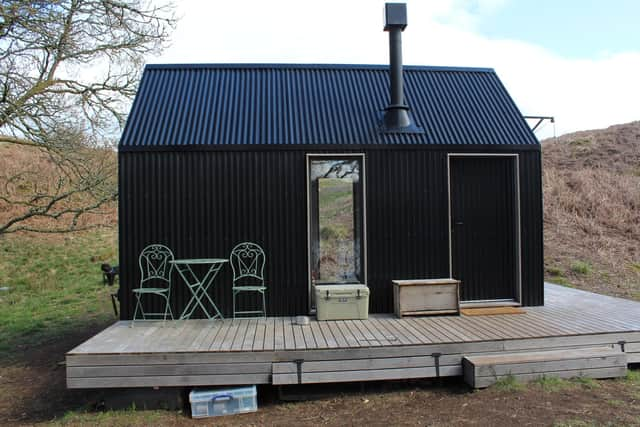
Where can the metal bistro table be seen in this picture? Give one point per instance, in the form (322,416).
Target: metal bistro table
(199,287)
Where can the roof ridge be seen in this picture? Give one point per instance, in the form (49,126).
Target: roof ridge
(195,105)
(281,66)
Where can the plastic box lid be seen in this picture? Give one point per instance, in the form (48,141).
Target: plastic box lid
(207,395)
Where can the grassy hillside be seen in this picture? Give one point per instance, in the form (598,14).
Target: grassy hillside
(53,287)
(591,187)
(30,178)
(50,284)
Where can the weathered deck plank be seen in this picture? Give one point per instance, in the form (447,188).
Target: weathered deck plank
(279,342)
(298,335)
(289,338)
(337,334)
(229,337)
(250,335)
(307,335)
(317,335)
(269,334)
(328,335)
(259,335)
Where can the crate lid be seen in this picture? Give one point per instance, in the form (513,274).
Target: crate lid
(423,282)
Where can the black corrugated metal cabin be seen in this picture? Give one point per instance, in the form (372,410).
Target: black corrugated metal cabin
(213,155)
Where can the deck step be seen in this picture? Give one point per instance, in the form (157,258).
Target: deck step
(592,362)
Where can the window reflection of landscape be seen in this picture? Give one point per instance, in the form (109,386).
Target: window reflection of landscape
(336,206)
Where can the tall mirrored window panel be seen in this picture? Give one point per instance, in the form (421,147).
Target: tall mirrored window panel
(336,202)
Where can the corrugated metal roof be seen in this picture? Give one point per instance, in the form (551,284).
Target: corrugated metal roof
(287,104)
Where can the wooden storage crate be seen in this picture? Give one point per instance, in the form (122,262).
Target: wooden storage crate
(426,296)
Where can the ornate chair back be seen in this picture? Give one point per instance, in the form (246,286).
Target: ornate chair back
(155,265)
(247,261)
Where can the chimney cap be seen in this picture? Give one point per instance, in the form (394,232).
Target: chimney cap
(395,16)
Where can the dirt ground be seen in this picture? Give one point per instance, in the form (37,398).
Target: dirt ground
(33,391)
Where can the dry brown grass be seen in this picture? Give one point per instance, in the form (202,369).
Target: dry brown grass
(38,174)
(591,183)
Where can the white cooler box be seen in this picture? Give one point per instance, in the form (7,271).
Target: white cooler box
(342,302)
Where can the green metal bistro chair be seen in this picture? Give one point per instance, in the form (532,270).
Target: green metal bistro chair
(155,279)
(247,261)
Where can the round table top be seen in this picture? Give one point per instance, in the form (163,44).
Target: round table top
(200,261)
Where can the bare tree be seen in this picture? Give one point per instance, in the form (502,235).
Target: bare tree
(70,188)
(68,69)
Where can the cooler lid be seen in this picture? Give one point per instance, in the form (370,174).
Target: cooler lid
(340,290)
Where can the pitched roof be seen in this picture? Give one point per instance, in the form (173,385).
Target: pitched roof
(286,104)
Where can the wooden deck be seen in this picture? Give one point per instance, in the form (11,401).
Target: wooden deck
(275,350)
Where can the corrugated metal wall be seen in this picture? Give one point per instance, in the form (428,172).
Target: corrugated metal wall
(201,203)
(531,228)
(406,220)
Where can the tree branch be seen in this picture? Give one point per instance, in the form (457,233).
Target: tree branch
(18,141)
(48,100)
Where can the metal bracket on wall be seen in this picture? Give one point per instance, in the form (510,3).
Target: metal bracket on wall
(540,120)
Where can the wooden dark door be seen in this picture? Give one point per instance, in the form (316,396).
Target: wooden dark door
(484,226)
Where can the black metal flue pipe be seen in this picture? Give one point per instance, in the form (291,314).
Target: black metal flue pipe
(395,66)
(396,114)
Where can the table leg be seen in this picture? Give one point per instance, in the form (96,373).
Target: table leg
(206,282)
(199,288)
(196,288)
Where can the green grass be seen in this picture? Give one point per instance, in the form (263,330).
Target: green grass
(553,384)
(336,200)
(554,271)
(616,402)
(586,382)
(508,383)
(633,377)
(581,267)
(632,381)
(560,280)
(54,284)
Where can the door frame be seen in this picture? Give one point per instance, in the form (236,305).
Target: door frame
(517,300)
(363,174)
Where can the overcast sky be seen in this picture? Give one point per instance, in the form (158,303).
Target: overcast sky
(576,60)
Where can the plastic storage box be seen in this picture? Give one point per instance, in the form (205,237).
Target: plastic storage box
(212,403)
(342,302)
